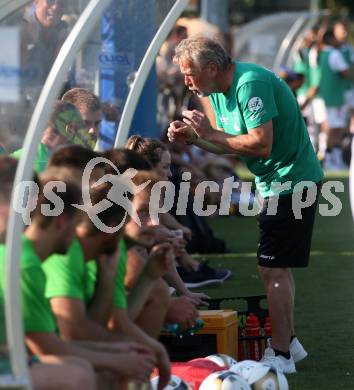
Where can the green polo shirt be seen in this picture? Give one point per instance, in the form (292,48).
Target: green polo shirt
(42,157)
(256,96)
(36,311)
(71,276)
(120,298)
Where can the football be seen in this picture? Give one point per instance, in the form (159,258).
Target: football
(222,360)
(245,367)
(224,380)
(175,383)
(264,377)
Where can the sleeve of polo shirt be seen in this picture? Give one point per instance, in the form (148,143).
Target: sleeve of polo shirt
(257,103)
(64,277)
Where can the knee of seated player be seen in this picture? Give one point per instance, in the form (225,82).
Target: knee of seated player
(83,376)
(135,265)
(68,373)
(159,294)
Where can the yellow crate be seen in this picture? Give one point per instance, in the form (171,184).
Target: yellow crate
(223,324)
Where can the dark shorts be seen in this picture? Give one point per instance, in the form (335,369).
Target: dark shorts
(284,238)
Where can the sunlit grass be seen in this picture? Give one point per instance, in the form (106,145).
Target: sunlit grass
(324,313)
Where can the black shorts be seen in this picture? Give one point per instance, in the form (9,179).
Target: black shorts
(284,240)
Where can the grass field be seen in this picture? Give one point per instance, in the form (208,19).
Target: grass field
(324,313)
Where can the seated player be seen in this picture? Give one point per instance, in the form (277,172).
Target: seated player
(80,288)
(57,369)
(65,126)
(199,273)
(53,234)
(89,106)
(181,309)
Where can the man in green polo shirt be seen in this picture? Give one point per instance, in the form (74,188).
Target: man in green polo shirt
(259,120)
(89,106)
(65,126)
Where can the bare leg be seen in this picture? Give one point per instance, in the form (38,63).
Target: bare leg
(292,282)
(279,290)
(187,261)
(154,311)
(56,373)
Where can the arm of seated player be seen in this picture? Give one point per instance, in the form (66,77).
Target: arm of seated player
(121,322)
(135,363)
(171,222)
(182,311)
(174,280)
(101,305)
(160,258)
(74,324)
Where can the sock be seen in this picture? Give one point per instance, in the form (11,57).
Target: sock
(286,355)
(292,338)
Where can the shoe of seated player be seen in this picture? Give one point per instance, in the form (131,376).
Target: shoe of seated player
(286,366)
(205,275)
(297,351)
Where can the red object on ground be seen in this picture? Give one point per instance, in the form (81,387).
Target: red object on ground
(253,328)
(194,371)
(267,327)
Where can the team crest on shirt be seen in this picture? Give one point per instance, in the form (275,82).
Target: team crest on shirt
(255,104)
(224,120)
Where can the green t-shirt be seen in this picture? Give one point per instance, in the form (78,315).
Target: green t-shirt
(42,158)
(71,276)
(120,298)
(256,96)
(66,274)
(36,311)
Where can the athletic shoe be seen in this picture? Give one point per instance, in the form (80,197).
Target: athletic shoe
(286,366)
(297,351)
(205,275)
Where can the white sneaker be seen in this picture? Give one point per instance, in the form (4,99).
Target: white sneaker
(286,366)
(297,351)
